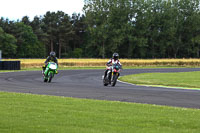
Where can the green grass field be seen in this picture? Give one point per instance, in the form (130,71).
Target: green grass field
(182,79)
(39,113)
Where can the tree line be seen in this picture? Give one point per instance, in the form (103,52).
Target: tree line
(133,28)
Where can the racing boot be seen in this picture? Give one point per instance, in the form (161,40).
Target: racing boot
(43,69)
(56,71)
(105,74)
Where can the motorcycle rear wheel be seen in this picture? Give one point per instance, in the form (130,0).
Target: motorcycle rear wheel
(105,82)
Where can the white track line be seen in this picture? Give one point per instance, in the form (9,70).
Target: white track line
(160,86)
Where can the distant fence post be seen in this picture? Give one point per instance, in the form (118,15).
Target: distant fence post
(0,55)
(0,61)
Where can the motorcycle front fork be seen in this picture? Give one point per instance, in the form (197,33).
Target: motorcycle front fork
(46,71)
(113,76)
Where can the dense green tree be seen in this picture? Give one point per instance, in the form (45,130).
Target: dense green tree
(79,29)
(147,29)
(26,20)
(27,42)
(59,30)
(7,25)
(96,18)
(65,32)
(42,37)
(133,28)
(50,27)
(7,44)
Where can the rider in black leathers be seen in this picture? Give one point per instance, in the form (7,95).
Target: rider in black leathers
(51,58)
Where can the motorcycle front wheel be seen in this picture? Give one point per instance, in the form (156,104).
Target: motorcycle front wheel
(50,77)
(114,81)
(45,80)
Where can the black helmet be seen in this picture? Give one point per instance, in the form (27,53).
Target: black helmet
(52,54)
(115,56)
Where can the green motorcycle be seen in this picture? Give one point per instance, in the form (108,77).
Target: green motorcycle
(50,71)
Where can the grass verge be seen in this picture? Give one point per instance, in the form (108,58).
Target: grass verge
(39,113)
(181,79)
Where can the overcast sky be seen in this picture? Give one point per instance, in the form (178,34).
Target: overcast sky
(16,9)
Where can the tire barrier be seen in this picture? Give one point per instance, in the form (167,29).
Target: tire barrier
(10,65)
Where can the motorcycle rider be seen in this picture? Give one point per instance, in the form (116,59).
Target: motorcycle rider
(113,60)
(51,58)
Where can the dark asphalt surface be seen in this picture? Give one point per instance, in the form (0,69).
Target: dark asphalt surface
(88,84)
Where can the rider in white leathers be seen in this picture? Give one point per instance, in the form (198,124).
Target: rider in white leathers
(113,60)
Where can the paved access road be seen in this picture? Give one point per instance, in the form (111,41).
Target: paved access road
(88,84)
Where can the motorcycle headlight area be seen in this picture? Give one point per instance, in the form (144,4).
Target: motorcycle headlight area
(52,67)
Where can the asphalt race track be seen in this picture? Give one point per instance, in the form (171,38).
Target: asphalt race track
(88,84)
